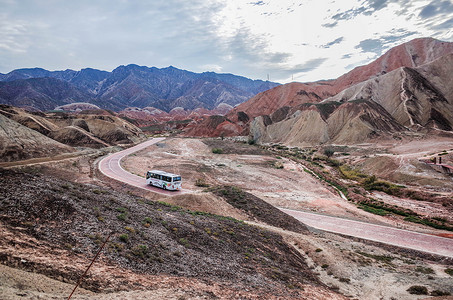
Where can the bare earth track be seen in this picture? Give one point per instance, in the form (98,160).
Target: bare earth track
(110,166)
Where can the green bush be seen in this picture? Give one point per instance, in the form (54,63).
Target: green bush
(184,242)
(329,152)
(217,150)
(376,211)
(124,237)
(147,220)
(449,271)
(122,216)
(140,251)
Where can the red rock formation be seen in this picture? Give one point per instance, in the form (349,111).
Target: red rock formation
(411,54)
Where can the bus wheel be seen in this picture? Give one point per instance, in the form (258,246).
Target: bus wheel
(164,187)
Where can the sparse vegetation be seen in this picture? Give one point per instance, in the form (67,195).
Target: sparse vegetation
(200,182)
(424,270)
(381,258)
(278,165)
(217,150)
(329,152)
(124,237)
(438,293)
(155,233)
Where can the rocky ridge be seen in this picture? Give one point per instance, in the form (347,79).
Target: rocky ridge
(30,135)
(126,86)
(409,56)
(403,100)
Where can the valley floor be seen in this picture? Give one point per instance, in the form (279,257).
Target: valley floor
(353,267)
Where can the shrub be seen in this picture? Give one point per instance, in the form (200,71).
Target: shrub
(147,220)
(418,290)
(184,242)
(201,183)
(376,211)
(346,280)
(140,250)
(449,271)
(130,229)
(318,250)
(439,293)
(217,150)
(278,165)
(329,152)
(352,174)
(124,237)
(122,216)
(424,270)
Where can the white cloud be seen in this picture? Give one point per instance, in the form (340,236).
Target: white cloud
(308,40)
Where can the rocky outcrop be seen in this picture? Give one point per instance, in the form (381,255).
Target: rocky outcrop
(77,107)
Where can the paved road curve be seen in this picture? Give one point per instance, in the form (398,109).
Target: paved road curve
(110,166)
(384,234)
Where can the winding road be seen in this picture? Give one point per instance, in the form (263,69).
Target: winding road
(110,166)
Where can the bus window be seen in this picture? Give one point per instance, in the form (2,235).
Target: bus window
(177,178)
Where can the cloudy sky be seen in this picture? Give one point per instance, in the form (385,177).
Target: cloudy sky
(286,40)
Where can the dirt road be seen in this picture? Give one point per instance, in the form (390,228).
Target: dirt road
(110,166)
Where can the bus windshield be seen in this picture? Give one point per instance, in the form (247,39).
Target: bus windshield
(177,178)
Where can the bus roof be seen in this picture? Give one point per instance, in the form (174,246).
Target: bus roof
(164,173)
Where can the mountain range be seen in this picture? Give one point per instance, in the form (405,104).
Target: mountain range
(408,88)
(126,86)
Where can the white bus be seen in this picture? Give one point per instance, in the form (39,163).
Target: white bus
(167,181)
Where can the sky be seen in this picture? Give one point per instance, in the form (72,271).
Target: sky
(282,40)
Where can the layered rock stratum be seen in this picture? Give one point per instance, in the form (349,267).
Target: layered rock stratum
(407,88)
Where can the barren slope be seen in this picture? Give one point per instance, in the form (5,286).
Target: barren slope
(47,218)
(84,130)
(19,142)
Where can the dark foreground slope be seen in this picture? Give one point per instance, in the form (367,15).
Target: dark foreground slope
(50,217)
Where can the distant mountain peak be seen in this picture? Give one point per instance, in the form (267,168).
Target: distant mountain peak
(129,85)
